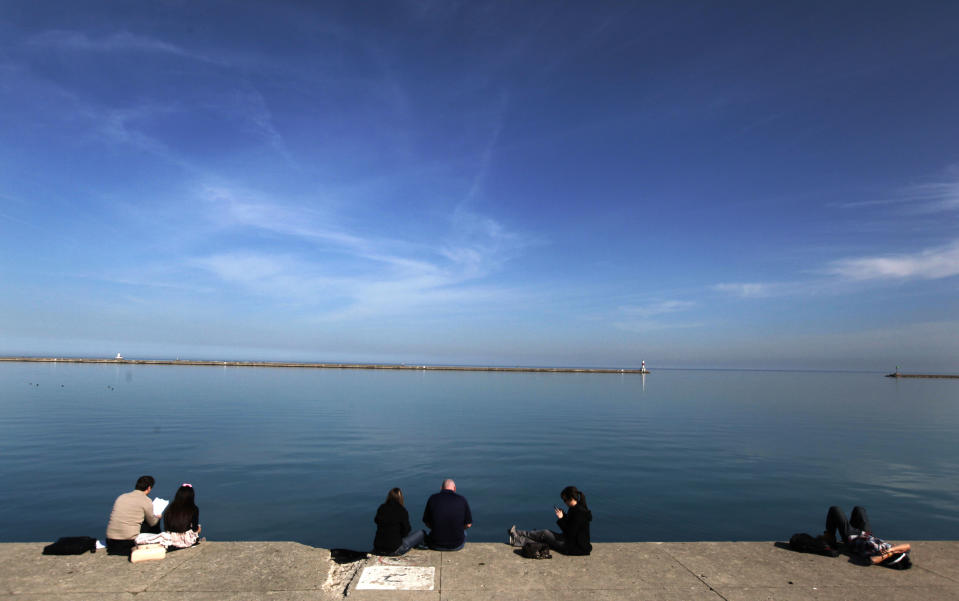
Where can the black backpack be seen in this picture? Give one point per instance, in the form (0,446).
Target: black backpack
(71,545)
(533,550)
(346,555)
(806,543)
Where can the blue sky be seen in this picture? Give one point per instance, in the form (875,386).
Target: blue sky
(726,184)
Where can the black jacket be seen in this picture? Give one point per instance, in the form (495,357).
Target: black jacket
(447,514)
(392,524)
(575,527)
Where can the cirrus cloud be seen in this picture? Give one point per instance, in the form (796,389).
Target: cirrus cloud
(928,264)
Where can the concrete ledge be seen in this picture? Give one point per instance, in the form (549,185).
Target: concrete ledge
(241,571)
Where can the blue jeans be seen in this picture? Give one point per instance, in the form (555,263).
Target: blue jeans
(413,539)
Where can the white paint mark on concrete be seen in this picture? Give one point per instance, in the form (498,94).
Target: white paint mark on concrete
(397,578)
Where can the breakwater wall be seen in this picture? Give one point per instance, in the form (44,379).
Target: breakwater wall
(704,571)
(399,366)
(933,376)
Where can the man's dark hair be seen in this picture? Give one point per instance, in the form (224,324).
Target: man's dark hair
(145,482)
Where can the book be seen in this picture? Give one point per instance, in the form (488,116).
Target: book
(159,505)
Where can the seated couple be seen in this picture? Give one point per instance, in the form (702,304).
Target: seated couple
(447,515)
(133,522)
(574,524)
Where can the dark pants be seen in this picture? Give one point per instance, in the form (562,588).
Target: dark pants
(836,520)
(555,540)
(119,546)
(123,546)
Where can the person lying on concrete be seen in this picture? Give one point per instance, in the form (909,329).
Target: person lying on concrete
(132,513)
(448,516)
(393,535)
(574,524)
(857,535)
(181,522)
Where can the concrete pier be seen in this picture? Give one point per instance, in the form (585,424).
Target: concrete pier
(928,376)
(371,366)
(705,571)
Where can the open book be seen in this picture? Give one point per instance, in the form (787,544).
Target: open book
(159,505)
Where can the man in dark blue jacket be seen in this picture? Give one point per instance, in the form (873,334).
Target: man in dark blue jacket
(447,515)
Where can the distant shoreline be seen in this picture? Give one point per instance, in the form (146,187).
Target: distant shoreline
(398,366)
(897,375)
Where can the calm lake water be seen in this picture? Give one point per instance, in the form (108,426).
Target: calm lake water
(309,454)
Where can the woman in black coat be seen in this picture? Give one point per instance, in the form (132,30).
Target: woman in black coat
(574,538)
(393,527)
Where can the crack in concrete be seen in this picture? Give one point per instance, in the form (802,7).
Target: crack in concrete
(695,575)
(175,568)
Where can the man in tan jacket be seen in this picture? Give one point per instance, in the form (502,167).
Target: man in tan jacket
(130,510)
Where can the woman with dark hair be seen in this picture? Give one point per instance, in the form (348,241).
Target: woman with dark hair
(181,519)
(574,538)
(182,514)
(393,527)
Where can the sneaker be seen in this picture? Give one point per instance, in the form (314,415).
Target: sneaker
(511,533)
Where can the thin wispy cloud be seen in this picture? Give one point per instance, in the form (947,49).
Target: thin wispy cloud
(749,289)
(486,158)
(370,275)
(480,244)
(657,315)
(118,41)
(232,208)
(645,326)
(930,197)
(253,109)
(658,308)
(295,281)
(121,126)
(849,275)
(928,264)
(934,197)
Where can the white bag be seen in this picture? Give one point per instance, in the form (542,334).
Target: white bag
(147,552)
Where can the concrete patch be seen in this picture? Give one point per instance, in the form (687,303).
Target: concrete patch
(397,578)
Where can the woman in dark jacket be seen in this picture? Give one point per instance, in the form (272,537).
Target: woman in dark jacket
(574,538)
(393,527)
